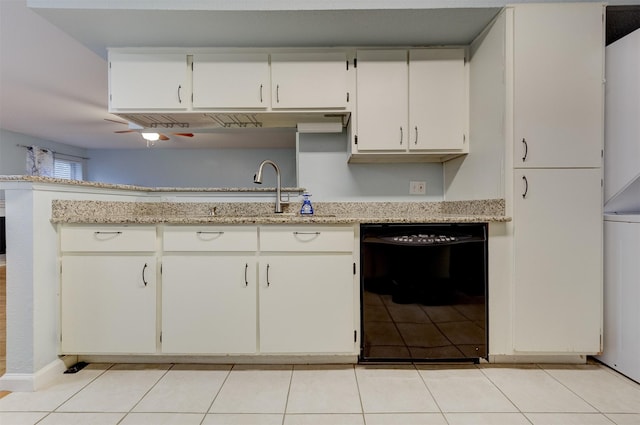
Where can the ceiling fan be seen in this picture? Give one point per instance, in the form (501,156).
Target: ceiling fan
(161,136)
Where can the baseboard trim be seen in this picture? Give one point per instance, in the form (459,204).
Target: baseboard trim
(29,382)
(223,359)
(538,358)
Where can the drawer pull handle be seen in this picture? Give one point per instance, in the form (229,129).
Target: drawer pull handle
(106,236)
(306,233)
(209,236)
(143,277)
(268,283)
(526,150)
(246,266)
(526,186)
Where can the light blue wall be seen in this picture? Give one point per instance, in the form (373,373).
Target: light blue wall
(324,171)
(13,158)
(158,167)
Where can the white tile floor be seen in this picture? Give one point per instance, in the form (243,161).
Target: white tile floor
(104,394)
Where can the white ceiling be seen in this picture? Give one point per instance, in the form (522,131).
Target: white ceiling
(53,73)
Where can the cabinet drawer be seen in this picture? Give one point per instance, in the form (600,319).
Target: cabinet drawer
(306,238)
(108,238)
(210,238)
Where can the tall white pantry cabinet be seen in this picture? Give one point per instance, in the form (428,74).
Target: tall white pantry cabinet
(558,98)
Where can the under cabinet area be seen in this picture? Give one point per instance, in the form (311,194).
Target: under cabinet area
(108,290)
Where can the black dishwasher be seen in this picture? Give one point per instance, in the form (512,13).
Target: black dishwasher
(424,292)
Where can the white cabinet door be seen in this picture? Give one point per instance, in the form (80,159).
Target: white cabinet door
(209,304)
(558,98)
(309,80)
(148,81)
(558,260)
(383,93)
(231,81)
(437,94)
(306,303)
(108,304)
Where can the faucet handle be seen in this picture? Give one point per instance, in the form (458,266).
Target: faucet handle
(287,201)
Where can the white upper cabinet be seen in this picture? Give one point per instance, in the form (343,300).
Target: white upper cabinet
(411,102)
(148,81)
(558,98)
(309,80)
(437,99)
(383,100)
(231,81)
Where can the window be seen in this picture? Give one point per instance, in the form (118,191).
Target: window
(67,169)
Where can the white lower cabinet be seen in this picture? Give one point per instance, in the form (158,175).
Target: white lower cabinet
(209,304)
(209,289)
(558,260)
(108,304)
(306,303)
(108,292)
(307,284)
(220,290)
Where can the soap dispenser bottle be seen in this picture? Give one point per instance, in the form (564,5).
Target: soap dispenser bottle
(307,208)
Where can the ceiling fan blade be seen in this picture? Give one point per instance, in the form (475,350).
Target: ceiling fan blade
(116,121)
(125,131)
(183,134)
(163,137)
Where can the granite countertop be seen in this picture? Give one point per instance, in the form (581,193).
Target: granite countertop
(106,212)
(51,180)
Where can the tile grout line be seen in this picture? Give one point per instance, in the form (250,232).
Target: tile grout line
(435,400)
(224,381)
(570,390)
(481,369)
(355,375)
(146,393)
(286,403)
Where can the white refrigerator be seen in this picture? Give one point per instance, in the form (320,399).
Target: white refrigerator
(621,333)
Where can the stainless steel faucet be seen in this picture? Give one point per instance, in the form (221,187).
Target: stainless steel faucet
(257,178)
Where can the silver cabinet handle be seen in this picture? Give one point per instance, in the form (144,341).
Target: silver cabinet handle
(306,233)
(246,282)
(526,186)
(526,150)
(401,135)
(268,283)
(416,142)
(144,280)
(179,98)
(107,233)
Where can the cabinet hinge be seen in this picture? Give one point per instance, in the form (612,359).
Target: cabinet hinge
(160,268)
(601,153)
(347,96)
(355,62)
(354,269)
(191,66)
(356,139)
(601,182)
(109,65)
(347,65)
(160,336)
(355,336)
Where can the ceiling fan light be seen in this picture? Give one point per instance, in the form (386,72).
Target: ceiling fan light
(152,137)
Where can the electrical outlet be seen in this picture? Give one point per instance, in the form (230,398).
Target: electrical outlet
(417,188)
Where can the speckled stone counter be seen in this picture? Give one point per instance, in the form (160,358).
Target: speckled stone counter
(51,180)
(66,211)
